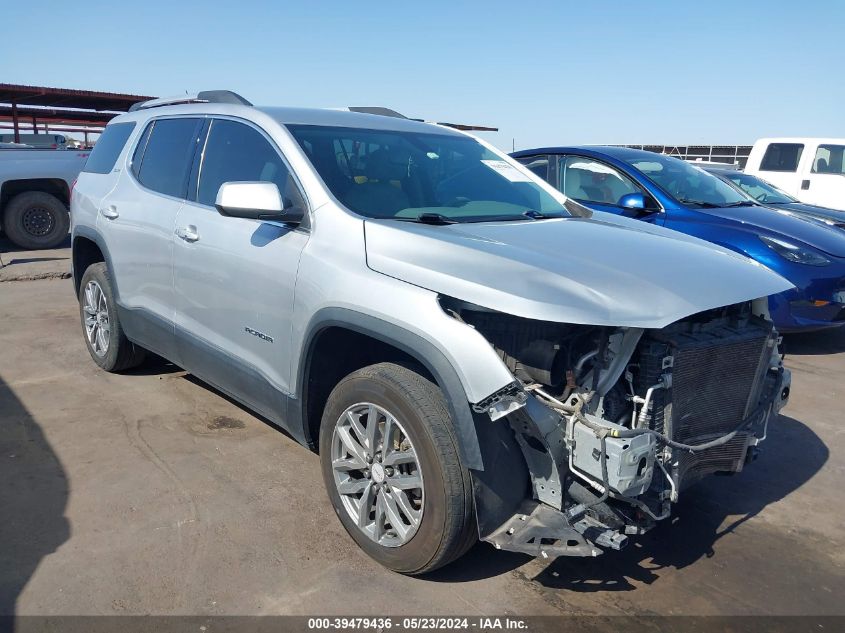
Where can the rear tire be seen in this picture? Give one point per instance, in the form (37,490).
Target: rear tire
(104,336)
(414,408)
(36,220)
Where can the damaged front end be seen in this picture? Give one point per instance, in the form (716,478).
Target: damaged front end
(615,423)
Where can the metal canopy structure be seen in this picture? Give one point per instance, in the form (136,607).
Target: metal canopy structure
(61,109)
(730,154)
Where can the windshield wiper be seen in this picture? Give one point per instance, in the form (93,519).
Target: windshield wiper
(701,203)
(434,218)
(741,203)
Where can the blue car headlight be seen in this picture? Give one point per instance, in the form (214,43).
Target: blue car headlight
(794,252)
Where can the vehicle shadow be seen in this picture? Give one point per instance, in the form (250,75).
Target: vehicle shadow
(700,516)
(153,365)
(815,343)
(699,521)
(33,497)
(249,412)
(7,246)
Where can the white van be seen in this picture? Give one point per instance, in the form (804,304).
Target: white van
(40,141)
(810,169)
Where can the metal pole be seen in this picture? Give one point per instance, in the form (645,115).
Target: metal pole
(15,122)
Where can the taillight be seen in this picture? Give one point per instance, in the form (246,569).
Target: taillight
(72,186)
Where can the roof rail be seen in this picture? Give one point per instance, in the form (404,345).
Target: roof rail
(469,128)
(393,113)
(377,110)
(206,96)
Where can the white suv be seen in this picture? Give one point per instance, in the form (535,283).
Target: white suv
(472,354)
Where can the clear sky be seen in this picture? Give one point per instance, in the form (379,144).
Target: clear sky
(708,71)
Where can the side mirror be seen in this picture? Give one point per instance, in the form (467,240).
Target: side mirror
(256,201)
(632,202)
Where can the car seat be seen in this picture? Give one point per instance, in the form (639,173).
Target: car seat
(378,196)
(572,184)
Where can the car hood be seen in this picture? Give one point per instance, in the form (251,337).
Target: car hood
(786,225)
(602,270)
(823,213)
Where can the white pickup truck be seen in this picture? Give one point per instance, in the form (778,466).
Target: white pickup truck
(35,189)
(810,169)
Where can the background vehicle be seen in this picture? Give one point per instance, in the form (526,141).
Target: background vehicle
(811,169)
(395,293)
(41,141)
(670,192)
(34,195)
(767,195)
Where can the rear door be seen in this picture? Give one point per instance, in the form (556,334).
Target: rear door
(542,165)
(824,185)
(100,173)
(137,219)
(234,277)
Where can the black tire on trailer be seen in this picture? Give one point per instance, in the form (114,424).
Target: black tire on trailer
(36,220)
(421,427)
(104,336)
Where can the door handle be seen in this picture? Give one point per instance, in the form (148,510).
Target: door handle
(188,233)
(109,212)
(805,184)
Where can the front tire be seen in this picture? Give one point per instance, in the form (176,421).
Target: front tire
(36,220)
(392,469)
(104,336)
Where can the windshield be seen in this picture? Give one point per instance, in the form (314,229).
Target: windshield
(420,176)
(760,189)
(686,183)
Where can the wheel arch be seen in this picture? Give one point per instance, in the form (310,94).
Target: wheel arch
(87,248)
(386,341)
(56,187)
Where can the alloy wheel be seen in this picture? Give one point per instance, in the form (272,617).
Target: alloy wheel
(377,474)
(97,326)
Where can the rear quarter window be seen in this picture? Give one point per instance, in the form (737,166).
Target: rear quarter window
(782,157)
(102,158)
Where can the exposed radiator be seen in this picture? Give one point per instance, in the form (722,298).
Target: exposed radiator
(718,371)
(727,458)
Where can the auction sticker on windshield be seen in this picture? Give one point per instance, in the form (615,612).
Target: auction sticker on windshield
(504,168)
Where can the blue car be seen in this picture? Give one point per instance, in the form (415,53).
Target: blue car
(670,192)
(767,195)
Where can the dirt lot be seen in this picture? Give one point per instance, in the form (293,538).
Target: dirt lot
(150,493)
(20,265)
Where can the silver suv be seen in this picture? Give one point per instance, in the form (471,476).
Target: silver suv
(472,354)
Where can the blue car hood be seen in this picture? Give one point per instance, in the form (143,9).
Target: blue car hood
(604,270)
(788,226)
(823,213)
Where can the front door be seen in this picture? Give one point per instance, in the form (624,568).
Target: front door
(235,278)
(785,165)
(600,186)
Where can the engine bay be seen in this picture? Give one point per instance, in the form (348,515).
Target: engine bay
(615,423)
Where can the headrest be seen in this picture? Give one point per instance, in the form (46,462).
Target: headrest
(385,165)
